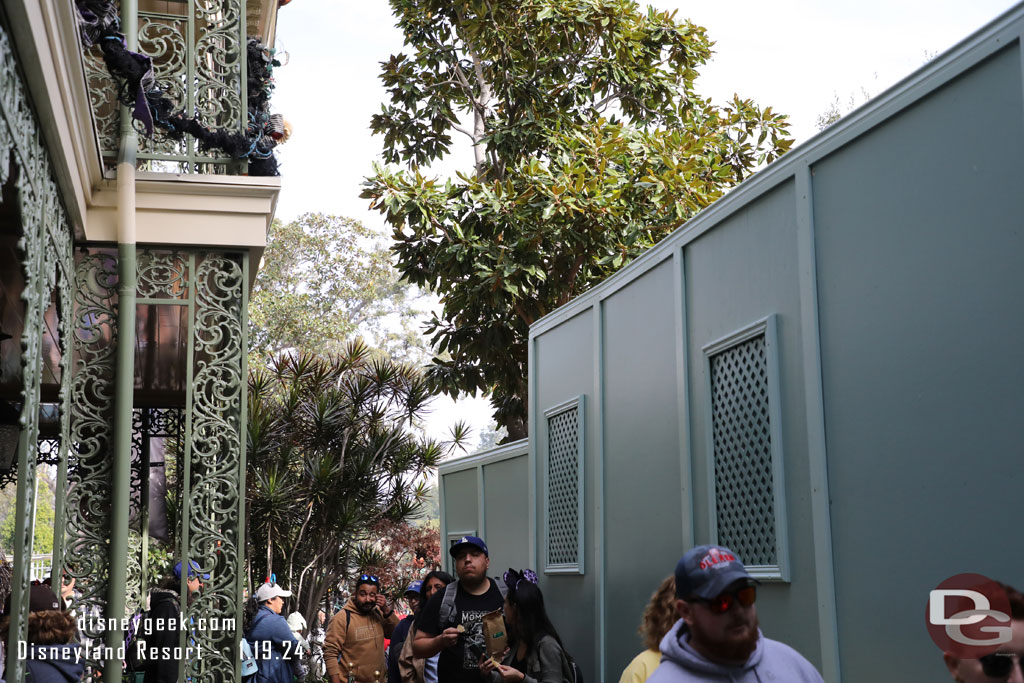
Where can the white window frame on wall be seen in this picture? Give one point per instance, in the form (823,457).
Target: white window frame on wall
(451,537)
(768,327)
(577,567)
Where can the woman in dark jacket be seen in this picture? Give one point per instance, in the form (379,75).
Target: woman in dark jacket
(159,630)
(535,653)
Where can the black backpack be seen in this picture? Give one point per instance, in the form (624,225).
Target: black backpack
(577,675)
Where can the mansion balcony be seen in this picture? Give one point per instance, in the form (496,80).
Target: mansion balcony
(137,185)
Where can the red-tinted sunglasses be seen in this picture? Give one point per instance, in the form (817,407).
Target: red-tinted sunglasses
(720,604)
(1000,665)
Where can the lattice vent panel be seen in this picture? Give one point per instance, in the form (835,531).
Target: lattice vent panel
(563,487)
(744,489)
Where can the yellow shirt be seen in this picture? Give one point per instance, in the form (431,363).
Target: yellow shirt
(642,666)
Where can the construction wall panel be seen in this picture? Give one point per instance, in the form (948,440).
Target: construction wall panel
(744,271)
(564,368)
(642,453)
(918,237)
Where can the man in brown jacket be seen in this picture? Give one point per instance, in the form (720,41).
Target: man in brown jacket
(354,646)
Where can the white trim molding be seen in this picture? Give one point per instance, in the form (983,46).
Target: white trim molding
(507,451)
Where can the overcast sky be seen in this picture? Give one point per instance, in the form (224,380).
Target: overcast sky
(795,55)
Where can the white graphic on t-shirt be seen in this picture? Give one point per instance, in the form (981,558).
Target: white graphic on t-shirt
(473,639)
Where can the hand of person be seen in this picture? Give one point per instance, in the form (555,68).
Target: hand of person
(510,674)
(382,606)
(449,636)
(487,665)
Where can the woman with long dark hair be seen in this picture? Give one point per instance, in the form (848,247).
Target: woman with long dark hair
(415,669)
(535,653)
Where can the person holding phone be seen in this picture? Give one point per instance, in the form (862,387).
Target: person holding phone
(354,646)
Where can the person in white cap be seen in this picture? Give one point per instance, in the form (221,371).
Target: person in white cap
(273,644)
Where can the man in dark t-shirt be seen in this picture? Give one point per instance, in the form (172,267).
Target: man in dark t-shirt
(475,596)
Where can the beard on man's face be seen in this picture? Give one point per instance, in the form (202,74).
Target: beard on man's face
(365,607)
(737,645)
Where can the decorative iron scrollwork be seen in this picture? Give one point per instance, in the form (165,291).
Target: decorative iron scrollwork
(214,483)
(162,274)
(43,247)
(92,409)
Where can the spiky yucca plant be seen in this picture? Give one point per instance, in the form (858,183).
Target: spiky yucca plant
(332,450)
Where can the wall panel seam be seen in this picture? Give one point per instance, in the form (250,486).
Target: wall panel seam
(824,568)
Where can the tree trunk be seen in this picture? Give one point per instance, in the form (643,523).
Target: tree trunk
(270,554)
(480,105)
(517,429)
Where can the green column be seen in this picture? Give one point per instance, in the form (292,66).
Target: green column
(124,382)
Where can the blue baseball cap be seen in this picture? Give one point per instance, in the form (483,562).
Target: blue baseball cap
(706,571)
(193,570)
(414,587)
(474,541)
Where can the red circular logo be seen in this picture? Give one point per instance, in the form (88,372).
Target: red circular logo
(968,616)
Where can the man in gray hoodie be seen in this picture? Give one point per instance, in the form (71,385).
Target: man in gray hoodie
(717,637)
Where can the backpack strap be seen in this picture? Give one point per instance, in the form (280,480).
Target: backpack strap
(448,601)
(448,604)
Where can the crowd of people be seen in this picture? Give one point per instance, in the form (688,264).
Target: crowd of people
(701,624)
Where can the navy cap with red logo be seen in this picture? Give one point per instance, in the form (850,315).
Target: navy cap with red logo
(474,541)
(706,571)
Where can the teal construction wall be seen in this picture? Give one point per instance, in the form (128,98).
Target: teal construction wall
(919,230)
(886,254)
(565,357)
(489,494)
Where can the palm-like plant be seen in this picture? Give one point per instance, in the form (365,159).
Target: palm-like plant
(332,450)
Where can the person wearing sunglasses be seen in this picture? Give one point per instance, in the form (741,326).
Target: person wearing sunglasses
(1006,664)
(354,645)
(717,636)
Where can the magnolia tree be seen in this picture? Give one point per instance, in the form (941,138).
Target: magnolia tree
(589,142)
(332,457)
